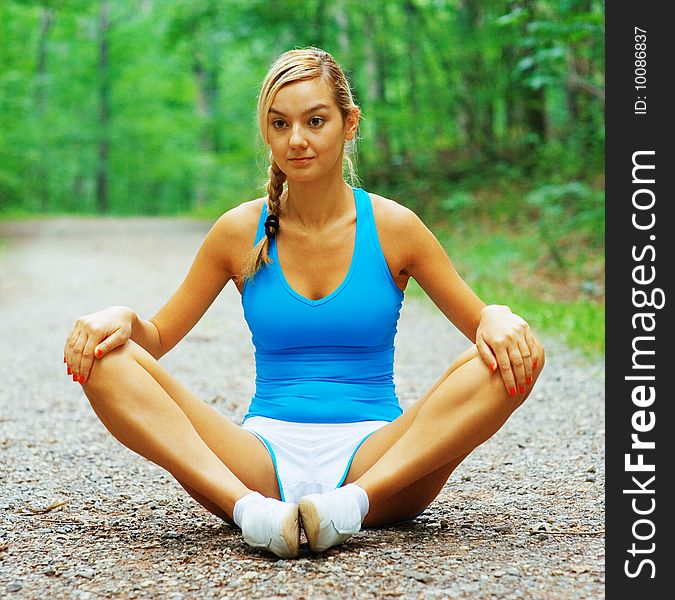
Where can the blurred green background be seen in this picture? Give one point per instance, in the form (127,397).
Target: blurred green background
(485,117)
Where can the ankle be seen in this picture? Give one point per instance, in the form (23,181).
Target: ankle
(242,503)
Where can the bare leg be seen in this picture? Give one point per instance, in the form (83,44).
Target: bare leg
(153,415)
(407,462)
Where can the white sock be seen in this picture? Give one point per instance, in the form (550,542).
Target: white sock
(241,504)
(359,494)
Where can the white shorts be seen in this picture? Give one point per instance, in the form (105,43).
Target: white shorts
(310,458)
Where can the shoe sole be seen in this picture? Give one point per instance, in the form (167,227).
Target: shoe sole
(311,523)
(290,531)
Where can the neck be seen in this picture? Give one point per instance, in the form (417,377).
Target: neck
(314,204)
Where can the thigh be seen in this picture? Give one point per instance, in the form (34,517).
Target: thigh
(409,502)
(379,442)
(240,450)
(412,500)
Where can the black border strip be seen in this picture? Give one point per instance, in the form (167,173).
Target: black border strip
(638,121)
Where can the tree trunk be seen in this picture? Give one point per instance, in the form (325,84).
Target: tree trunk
(412,66)
(103,109)
(377,87)
(40,108)
(342,20)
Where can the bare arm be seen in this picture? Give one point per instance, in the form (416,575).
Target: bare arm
(503,339)
(96,334)
(209,273)
(427,262)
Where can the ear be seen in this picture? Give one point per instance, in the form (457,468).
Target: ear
(352,123)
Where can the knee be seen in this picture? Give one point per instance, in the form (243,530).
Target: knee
(108,368)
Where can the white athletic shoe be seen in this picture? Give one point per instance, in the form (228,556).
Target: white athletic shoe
(273,525)
(326,522)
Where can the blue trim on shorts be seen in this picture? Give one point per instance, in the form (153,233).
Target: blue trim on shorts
(351,458)
(274,462)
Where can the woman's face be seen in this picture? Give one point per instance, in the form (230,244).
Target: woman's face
(306,131)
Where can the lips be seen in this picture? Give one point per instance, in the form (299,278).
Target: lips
(302,160)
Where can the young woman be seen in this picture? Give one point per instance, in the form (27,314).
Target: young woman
(321,267)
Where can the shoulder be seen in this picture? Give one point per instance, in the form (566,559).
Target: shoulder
(394,219)
(403,235)
(238,220)
(391,213)
(234,232)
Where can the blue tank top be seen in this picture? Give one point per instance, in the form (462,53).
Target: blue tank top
(329,360)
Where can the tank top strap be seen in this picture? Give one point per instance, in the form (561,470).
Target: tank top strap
(260,232)
(370,242)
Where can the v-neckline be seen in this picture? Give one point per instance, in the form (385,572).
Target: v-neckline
(345,280)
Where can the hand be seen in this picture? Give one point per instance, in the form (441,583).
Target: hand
(93,336)
(505,341)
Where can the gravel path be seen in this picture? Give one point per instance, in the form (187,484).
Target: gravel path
(522,517)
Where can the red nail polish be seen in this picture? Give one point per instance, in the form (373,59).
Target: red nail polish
(64,358)
(528,380)
(521,389)
(69,371)
(534,365)
(99,353)
(512,392)
(82,378)
(74,377)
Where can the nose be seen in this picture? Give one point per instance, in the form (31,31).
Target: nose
(298,138)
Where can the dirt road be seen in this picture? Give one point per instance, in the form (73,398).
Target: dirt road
(521,518)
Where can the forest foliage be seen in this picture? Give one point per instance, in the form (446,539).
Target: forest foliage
(487,111)
(148,106)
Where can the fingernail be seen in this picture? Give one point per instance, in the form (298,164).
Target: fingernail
(74,377)
(69,371)
(512,392)
(99,353)
(521,389)
(82,378)
(534,364)
(64,358)
(528,380)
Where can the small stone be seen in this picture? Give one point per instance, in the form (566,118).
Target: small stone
(172,535)
(419,576)
(502,528)
(13,587)
(86,573)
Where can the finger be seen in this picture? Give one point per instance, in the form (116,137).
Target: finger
(527,361)
(486,353)
(68,348)
(532,345)
(87,358)
(78,346)
(110,343)
(518,367)
(506,372)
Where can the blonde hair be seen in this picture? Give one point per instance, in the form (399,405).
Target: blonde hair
(295,65)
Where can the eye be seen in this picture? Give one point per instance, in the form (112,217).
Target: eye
(278,123)
(317,121)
